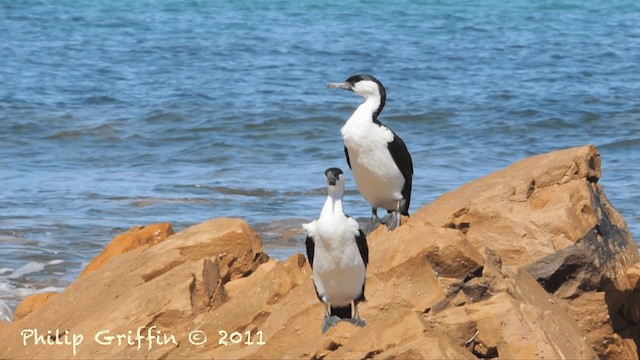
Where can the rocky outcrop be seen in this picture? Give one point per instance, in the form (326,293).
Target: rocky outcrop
(529,262)
(132,239)
(548,215)
(32,302)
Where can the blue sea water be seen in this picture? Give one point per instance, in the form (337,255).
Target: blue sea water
(121,113)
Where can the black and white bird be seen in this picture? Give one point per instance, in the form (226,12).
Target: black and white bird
(338,253)
(379,159)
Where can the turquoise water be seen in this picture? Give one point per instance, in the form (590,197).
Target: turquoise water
(115,113)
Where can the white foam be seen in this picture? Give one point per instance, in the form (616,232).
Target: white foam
(24,292)
(5,287)
(29,268)
(5,312)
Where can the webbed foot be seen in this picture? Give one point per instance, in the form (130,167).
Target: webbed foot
(328,322)
(368,228)
(357,321)
(392,220)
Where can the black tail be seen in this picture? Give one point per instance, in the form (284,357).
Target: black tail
(341,312)
(404,206)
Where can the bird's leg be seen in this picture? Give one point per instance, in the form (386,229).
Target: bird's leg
(374,216)
(396,217)
(329,320)
(356,320)
(375,222)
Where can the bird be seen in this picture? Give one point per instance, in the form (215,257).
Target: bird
(378,158)
(338,254)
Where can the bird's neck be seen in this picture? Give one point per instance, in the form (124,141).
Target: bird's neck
(371,105)
(367,111)
(361,120)
(333,206)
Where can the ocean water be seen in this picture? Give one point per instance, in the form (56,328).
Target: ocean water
(122,113)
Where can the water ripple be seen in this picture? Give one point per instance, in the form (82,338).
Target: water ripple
(118,114)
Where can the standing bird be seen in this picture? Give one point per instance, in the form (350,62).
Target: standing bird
(381,164)
(338,253)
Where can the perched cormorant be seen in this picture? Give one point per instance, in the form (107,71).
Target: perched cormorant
(381,164)
(338,253)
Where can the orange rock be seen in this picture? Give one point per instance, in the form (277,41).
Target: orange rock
(593,312)
(131,239)
(464,277)
(32,302)
(144,287)
(523,211)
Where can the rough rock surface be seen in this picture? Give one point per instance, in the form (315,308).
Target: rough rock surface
(32,302)
(529,262)
(133,238)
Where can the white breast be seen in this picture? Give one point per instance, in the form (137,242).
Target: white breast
(378,177)
(338,268)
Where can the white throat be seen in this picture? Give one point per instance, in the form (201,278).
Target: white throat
(370,92)
(333,206)
(361,119)
(370,103)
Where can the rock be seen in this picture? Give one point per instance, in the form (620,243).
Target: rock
(633,276)
(32,302)
(434,347)
(522,211)
(501,268)
(522,321)
(132,239)
(570,271)
(592,314)
(600,259)
(548,214)
(145,287)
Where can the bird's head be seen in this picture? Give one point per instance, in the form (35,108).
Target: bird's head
(335,179)
(366,86)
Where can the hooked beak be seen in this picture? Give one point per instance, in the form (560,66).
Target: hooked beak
(341,85)
(331,180)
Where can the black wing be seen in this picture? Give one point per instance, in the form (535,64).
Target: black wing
(346,153)
(310,248)
(361,240)
(402,158)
